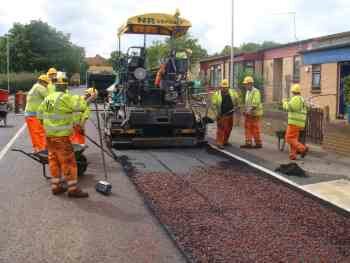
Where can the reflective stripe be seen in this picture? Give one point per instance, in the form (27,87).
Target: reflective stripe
(55,180)
(59,128)
(30,114)
(56,116)
(73,182)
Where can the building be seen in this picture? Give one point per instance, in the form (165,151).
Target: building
(318,64)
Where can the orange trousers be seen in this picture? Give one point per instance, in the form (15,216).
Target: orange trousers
(292,138)
(36,133)
(252,130)
(224,128)
(78,135)
(62,161)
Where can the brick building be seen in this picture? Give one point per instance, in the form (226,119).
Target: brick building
(318,64)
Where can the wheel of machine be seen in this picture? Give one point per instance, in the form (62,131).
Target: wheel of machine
(81,163)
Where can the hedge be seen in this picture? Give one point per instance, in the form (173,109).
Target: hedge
(19,81)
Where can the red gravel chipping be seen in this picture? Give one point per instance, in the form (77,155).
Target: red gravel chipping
(234,213)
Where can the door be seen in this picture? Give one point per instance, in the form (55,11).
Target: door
(277,79)
(344,72)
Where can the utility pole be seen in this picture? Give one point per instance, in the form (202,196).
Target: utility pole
(8,62)
(232,44)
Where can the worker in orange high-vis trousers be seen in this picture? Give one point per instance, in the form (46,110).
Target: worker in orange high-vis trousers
(56,113)
(35,97)
(252,115)
(224,103)
(80,118)
(297,112)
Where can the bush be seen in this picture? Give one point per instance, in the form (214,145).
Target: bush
(19,81)
(347,90)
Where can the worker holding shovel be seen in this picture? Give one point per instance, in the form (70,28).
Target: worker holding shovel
(224,102)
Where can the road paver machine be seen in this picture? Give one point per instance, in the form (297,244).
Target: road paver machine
(150,115)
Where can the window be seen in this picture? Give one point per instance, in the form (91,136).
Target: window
(215,76)
(249,67)
(296,69)
(316,77)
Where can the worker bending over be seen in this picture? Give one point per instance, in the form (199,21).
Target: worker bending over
(252,115)
(35,97)
(80,118)
(224,103)
(56,112)
(297,111)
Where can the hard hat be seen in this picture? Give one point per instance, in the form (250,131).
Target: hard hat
(44,78)
(91,91)
(296,88)
(224,83)
(62,81)
(52,71)
(248,80)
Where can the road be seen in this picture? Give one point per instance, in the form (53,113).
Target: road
(36,226)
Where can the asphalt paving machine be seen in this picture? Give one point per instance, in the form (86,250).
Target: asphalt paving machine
(150,115)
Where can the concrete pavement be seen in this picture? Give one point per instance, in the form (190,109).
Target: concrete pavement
(36,226)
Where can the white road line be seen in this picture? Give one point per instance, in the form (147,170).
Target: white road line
(11,142)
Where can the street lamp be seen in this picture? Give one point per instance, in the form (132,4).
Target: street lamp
(232,43)
(8,61)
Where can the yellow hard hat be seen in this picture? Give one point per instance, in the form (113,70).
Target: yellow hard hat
(248,80)
(296,88)
(52,71)
(44,78)
(224,83)
(91,91)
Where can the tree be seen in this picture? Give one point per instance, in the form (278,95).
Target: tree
(227,50)
(160,50)
(248,47)
(37,46)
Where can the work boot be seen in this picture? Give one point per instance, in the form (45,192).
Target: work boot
(77,193)
(59,190)
(246,146)
(302,155)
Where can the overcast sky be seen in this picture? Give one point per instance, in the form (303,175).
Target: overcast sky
(93,23)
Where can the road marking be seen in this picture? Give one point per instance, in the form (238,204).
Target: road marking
(12,141)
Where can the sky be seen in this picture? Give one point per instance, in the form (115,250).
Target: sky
(93,23)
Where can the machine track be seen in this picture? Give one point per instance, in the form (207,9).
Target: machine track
(222,210)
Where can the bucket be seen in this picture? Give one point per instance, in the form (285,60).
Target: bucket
(20,101)
(4,95)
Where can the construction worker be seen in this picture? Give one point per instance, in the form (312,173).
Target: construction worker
(34,98)
(252,115)
(52,75)
(56,112)
(297,111)
(160,75)
(80,118)
(224,103)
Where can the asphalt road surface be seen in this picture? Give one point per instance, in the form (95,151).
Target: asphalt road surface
(36,226)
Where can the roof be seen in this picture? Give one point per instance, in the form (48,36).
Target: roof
(97,61)
(318,39)
(156,24)
(342,45)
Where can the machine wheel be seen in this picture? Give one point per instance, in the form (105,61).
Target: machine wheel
(82,164)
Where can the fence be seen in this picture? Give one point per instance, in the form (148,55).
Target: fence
(314,126)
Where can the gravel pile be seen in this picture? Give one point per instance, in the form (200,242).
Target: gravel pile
(233,213)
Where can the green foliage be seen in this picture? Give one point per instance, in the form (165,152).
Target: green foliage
(347,90)
(37,46)
(248,47)
(19,81)
(160,50)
